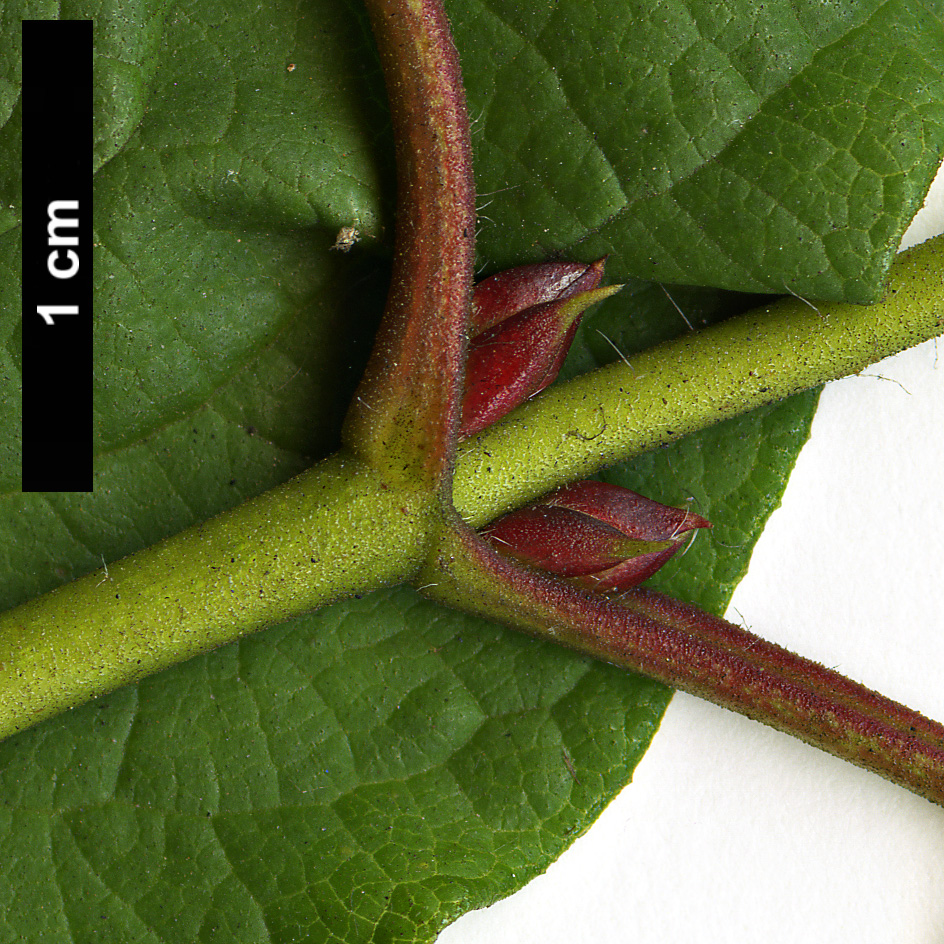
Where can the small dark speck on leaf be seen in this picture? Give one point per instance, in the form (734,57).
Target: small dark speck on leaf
(569,764)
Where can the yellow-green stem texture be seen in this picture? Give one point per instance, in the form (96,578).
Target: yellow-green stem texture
(342,528)
(693,382)
(331,532)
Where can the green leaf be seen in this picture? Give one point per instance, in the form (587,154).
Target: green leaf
(332,779)
(775,147)
(373,770)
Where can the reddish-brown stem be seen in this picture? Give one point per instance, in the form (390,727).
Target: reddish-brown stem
(404,420)
(404,416)
(679,645)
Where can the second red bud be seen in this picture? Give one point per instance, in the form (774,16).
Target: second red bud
(605,537)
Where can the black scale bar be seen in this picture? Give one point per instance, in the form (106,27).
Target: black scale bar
(57,424)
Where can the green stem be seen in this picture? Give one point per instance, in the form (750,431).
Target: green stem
(338,529)
(341,529)
(608,415)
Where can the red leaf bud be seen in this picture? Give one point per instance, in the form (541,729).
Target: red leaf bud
(530,316)
(603,536)
(504,294)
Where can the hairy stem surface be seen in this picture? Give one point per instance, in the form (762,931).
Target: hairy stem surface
(686,648)
(339,528)
(666,392)
(406,410)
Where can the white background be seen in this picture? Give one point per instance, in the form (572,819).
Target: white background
(732,832)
